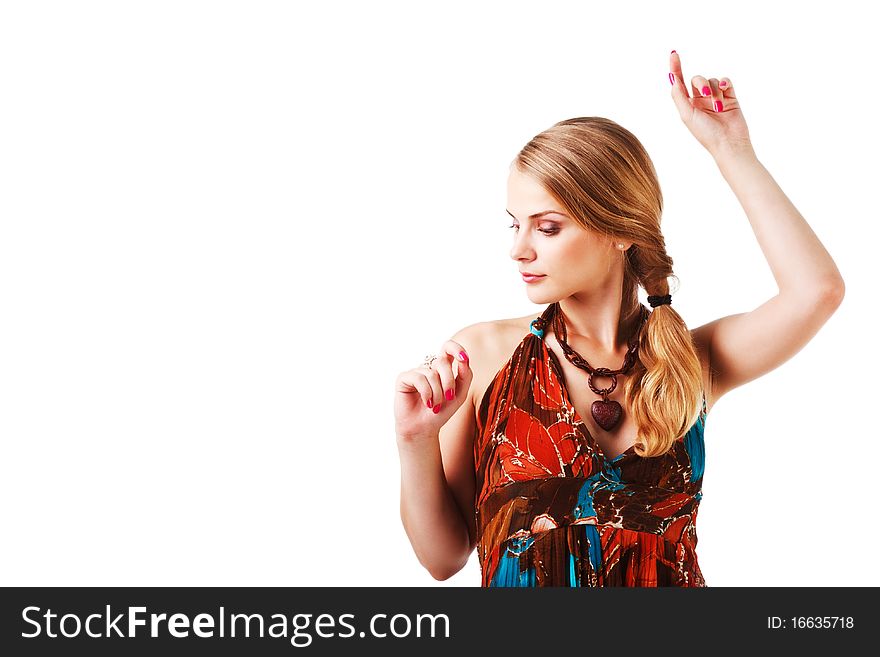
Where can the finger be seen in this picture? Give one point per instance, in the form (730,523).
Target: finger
(715,97)
(679,91)
(726,87)
(462,379)
(443,371)
(417,380)
(702,89)
(434,391)
(435,399)
(675,70)
(457,350)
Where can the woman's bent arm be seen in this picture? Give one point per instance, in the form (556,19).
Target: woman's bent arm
(430,514)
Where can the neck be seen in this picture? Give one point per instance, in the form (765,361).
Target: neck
(601,324)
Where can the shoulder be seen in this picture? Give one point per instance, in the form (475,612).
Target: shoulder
(494,327)
(482,339)
(489,345)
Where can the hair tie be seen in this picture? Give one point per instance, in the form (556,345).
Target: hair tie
(660,300)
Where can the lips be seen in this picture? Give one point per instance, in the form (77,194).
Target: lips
(528,278)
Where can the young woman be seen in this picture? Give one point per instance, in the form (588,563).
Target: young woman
(568,447)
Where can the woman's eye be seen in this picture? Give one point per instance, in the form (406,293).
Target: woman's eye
(546,231)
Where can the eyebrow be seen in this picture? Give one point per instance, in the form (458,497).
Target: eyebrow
(541,214)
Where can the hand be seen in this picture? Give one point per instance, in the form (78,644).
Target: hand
(715,118)
(421,406)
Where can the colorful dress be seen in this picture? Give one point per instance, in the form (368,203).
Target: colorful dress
(553,510)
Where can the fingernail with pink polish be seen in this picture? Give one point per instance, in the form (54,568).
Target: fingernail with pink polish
(671,79)
(718,106)
(706,91)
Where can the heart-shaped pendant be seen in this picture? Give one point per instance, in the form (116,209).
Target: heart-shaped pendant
(606,413)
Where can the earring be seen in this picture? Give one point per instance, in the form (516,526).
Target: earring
(620,246)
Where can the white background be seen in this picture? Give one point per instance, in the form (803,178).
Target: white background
(228,226)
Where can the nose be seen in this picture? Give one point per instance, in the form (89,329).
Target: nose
(521,249)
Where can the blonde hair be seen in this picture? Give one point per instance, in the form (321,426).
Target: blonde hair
(603,177)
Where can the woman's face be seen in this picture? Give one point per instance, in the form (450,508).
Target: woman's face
(571,258)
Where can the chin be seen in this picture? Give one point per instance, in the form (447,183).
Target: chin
(540,297)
